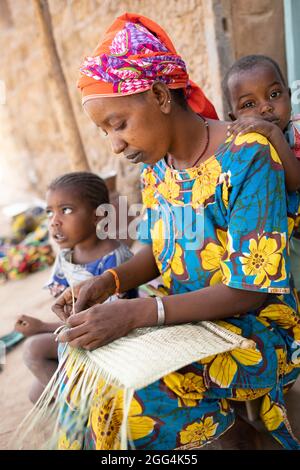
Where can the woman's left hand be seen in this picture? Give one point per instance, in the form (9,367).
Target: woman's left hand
(103,323)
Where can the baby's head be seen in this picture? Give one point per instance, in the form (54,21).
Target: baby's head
(254,86)
(72,201)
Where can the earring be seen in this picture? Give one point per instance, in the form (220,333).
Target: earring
(169,101)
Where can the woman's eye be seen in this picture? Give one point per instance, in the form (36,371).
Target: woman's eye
(67,210)
(275,94)
(49,214)
(121,126)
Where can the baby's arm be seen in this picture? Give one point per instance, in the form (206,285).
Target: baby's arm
(290,163)
(274,134)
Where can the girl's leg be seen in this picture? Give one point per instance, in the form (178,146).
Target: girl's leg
(40,356)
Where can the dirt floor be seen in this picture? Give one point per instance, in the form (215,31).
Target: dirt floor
(27,296)
(17,297)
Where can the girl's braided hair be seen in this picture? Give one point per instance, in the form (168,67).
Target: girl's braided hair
(89,186)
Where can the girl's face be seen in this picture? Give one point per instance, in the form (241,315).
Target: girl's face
(70,220)
(138,126)
(259,92)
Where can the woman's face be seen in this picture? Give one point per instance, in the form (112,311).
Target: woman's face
(138,126)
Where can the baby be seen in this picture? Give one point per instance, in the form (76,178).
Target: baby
(260,101)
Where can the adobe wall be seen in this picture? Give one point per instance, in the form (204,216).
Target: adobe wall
(78,25)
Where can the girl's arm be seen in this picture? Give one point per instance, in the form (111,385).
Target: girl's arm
(29,326)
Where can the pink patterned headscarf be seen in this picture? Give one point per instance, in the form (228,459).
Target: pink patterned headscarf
(135,53)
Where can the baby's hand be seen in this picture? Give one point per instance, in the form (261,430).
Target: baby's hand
(249,124)
(29,326)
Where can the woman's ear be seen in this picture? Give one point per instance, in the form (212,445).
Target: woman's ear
(162,95)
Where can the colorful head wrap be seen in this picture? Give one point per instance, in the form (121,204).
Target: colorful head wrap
(134,53)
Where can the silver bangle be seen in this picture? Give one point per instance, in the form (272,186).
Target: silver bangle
(161,316)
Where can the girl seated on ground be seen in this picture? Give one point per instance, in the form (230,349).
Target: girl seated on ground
(72,200)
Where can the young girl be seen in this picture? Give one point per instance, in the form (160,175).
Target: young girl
(260,101)
(72,200)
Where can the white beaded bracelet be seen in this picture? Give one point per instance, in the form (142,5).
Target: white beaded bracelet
(161,316)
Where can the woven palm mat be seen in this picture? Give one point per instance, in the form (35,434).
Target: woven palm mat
(129,363)
(147,354)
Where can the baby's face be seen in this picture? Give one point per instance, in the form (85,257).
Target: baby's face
(259,92)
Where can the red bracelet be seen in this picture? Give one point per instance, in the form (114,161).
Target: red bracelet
(117,280)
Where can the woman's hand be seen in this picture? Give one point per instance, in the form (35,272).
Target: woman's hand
(250,124)
(87,293)
(102,324)
(98,325)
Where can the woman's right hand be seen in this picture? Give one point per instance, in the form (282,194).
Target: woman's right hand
(87,293)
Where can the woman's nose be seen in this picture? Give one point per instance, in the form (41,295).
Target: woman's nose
(118,145)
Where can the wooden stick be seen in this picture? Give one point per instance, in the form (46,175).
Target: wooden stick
(61,98)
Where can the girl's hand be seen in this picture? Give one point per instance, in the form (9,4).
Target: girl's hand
(249,124)
(101,324)
(29,326)
(87,293)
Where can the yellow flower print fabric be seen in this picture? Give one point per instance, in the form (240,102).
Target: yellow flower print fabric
(238,199)
(226,221)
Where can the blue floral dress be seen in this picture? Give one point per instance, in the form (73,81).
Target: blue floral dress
(224,221)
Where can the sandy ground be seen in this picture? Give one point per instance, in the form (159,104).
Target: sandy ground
(17,297)
(27,296)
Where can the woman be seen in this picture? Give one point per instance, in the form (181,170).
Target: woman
(215,231)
